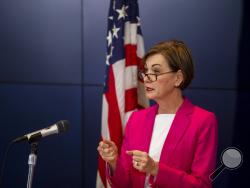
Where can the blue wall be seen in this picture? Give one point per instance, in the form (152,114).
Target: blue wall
(41,77)
(52,61)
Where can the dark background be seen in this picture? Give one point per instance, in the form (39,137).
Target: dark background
(52,61)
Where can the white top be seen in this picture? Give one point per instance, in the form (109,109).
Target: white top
(161,128)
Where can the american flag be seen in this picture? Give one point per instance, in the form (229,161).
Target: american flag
(123,92)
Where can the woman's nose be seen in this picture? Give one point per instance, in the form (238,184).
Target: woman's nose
(146,79)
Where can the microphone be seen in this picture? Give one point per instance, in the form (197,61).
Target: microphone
(59,127)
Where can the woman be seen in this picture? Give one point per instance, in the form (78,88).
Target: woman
(173,143)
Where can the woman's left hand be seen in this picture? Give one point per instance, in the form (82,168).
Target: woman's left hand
(143,162)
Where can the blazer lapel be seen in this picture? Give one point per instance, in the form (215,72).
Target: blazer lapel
(178,127)
(148,128)
(145,136)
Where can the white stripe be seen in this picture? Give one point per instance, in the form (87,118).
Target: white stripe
(140,46)
(130,33)
(131,37)
(105,127)
(119,76)
(108,185)
(131,77)
(99,183)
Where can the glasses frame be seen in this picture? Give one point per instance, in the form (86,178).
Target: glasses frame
(142,75)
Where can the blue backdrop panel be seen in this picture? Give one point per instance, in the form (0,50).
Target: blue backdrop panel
(26,108)
(210,28)
(40,41)
(94,35)
(92,130)
(241,137)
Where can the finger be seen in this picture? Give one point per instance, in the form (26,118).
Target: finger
(104,155)
(109,142)
(139,158)
(133,152)
(137,166)
(135,163)
(108,154)
(129,153)
(111,154)
(108,150)
(103,144)
(142,162)
(99,148)
(136,153)
(109,158)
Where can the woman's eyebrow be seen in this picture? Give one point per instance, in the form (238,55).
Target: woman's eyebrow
(145,67)
(155,65)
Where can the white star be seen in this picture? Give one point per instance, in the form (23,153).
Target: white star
(111,50)
(122,12)
(115,31)
(109,55)
(107,59)
(111,17)
(109,38)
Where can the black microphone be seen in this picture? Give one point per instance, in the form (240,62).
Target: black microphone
(59,127)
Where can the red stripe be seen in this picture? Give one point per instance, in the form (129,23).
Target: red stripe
(102,170)
(130,55)
(140,64)
(114,119)
(131,99)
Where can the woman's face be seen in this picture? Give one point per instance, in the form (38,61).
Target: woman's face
(165,84)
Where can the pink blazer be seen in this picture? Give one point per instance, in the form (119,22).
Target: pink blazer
(188,155)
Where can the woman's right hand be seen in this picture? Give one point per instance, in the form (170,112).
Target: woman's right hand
(109,152)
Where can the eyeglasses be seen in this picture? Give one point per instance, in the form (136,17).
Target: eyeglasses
(150,76)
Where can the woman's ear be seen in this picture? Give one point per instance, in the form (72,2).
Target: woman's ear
(179,78)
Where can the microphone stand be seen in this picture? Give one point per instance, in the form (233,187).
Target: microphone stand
(32,163)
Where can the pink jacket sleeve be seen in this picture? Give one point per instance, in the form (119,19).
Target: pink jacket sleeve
(121,177)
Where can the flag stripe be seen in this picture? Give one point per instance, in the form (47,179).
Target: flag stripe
(130,33)
(101,174)
(114,119)
(130,55)
(118,71)
(140,47)
(131,77)
(131,99)
(105,130)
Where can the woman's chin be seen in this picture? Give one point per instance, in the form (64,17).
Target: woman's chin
(150,96)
